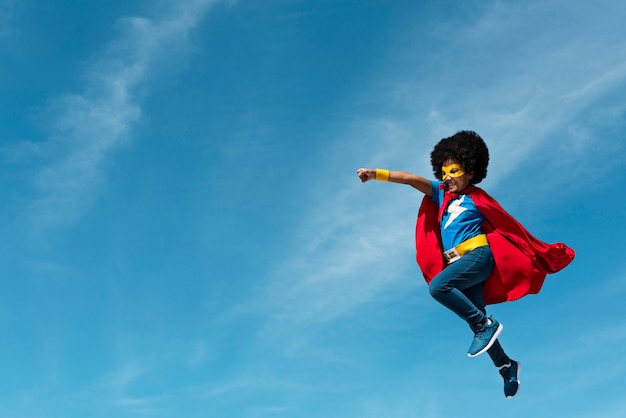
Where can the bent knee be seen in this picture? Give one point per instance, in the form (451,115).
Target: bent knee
(436,290)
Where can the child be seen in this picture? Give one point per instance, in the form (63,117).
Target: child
(471,252)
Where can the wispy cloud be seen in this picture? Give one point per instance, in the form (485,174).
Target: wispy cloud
(120,379)
(610,408)
(347,251)
(86,127)
(8,9)
(520,72)
(115,392)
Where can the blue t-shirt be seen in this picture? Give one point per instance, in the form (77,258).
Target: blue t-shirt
(461,220)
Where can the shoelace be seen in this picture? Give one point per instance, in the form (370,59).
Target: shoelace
(479,334)
(482,331)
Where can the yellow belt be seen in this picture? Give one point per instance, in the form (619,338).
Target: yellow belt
(465,247)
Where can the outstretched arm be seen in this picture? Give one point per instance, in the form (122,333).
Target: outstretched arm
(402,177)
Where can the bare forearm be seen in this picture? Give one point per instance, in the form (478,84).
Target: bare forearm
(404,177)
(401,177)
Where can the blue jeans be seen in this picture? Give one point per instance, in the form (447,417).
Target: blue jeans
(459,287)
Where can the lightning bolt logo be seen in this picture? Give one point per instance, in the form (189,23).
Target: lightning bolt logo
(455,209)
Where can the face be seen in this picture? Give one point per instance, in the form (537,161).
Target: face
(453,175)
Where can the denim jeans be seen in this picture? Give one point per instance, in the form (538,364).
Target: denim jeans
(459,287)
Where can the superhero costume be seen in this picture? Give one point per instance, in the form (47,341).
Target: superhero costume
(522,262)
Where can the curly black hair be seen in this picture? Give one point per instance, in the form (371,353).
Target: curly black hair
(465,147)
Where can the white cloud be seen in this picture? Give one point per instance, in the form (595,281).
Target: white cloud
(199,354)
(606,409)
(88,126)
(519,72)
(346,253)
(8,9)
(114,392)
(120,379)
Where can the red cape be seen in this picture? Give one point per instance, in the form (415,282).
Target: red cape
(522,261)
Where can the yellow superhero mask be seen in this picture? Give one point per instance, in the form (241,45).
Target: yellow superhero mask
(452,170)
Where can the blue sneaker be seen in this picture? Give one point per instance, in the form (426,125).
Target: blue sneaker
(510,375)
(484,338)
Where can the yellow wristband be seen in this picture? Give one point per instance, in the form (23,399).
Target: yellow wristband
(382,175)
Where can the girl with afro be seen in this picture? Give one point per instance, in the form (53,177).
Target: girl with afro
(471,252)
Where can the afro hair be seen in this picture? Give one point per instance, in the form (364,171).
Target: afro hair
(465,147)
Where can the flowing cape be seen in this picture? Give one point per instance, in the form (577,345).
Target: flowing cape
(522,262)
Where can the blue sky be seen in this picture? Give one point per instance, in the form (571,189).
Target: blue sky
(184,235)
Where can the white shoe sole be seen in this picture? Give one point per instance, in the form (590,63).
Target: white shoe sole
(493,340)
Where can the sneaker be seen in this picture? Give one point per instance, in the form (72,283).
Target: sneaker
(484,338)
(510,375)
